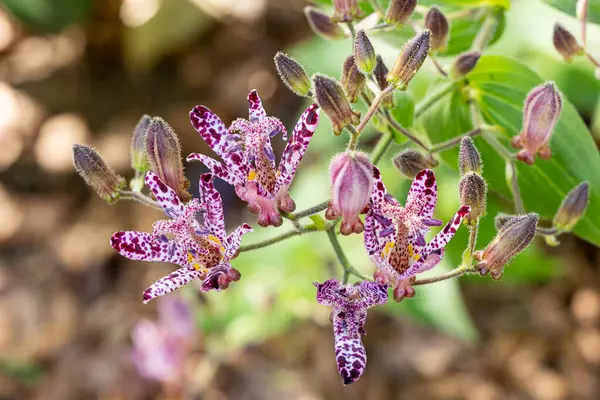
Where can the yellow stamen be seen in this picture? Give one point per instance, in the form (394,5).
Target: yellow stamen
(386,250)
(252,175)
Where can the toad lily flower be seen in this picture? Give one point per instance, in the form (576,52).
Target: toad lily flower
(248,158)
(202,250)
(394,235)
(350,304)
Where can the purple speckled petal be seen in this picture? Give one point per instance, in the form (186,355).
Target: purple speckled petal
(142,246)
(379,192)
(233,241)
(296,146)
(216,168)
(423,190)
(256,110)
(171,282)
(214,219)
(165,196)
(350,354)
(443,237)
(374,242)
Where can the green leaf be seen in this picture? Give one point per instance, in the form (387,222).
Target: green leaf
(568,7)
(502,84)
(48,16)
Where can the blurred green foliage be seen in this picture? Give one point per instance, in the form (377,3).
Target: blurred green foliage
(48,16)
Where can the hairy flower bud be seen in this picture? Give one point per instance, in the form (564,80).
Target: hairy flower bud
(353,81)
(572,207)
(351,186)
(410,162)
(565,43)
(139,161)
(321,24)
(469,159)
(164,155)
(380,73)
(94,171)
(437,23)
(332,100)
(409,61)
(364,53)
(399,11)
(501,218)
(292,74)
(541,111)
(346,11)
(465,63)
(512,238)
(472,191)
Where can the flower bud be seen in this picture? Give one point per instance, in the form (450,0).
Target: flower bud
(410,162)
(437,23)
(465,63)
(472,191)
(351,186)
(292,74)
(572,207)
(353,81)
(380,73)
(399,11)
(514,236)
(332,100)
(364,53)
(94,171)
(346,11)
(139,161)
(501,218)
(164,155)
(409,61)
(565,42)
(321,24)
(541,111)
(469,159)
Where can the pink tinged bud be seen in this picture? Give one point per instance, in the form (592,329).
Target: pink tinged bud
(380,74)
(437,23)
(332,100)
(399,11)
(409,61)
(353,81)
(469,159)
(410,162)
(465,63)
(292,74)
(512,238)
(572,208)
(565,43)
(351,183)
(346,11)
(472,191)
(364,53)
(94,171)
(139,161)
(164,155)
(321,24)
(542,109)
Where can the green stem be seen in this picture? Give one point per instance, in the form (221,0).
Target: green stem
(592,59)
(140,198)
(540,230)
(396,125)
(434,98)
(467,258)
(339,252)
(308,212)
(374,106)
(450,143)
(486,33)
(512,175)
(354,135)
(279,238)
(438,66)
(382,145)
(350,26)
(448,275)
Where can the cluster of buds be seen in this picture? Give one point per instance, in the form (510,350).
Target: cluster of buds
(541,111)
(472,188)
(410,162)
(351,186)
(514,235)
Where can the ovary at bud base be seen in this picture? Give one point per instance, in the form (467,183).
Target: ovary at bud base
(351,176)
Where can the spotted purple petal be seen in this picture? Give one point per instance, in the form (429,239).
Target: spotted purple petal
(214,219)
(171,282)
(165,196)
(233,241)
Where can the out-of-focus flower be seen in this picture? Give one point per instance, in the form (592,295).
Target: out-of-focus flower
(160,348)
(565,43)
(399,11)
(437,23)
(249,160)
(513,237)
(410,162)
(331,98)
(465,63)
(572,207)
(364,53)
(164,155)
(321,24)
(351,186)
(410,60)
(394,235)
(346,11)
(349,314)
(541,111)
(292,74)
(92,168)
(353,81)
(201,250)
